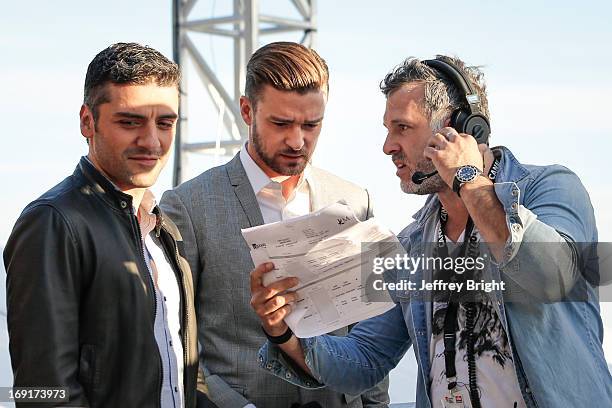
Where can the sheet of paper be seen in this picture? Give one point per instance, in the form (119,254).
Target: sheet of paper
(326,251)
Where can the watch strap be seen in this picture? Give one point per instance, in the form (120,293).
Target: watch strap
(283,338)
(456,185)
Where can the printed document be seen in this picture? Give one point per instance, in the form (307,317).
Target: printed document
(330,251)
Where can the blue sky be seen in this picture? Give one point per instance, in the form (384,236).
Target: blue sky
(546,64)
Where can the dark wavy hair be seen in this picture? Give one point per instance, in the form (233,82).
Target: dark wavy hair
(126,63)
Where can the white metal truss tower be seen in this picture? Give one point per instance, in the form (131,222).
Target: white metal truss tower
(244,27)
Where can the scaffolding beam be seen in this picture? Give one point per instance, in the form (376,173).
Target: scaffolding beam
(246,25)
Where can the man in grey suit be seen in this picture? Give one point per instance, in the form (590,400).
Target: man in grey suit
(271,179)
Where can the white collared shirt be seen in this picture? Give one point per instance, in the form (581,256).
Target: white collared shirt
(269,193)
(167,324)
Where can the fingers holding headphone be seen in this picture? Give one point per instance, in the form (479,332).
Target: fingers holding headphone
(449,150)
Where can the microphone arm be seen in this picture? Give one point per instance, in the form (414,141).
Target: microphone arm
(418,177)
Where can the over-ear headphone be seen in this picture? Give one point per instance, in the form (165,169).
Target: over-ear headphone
(468,120)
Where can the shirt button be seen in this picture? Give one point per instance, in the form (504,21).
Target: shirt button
(123,204)
(175,389)
(269,366)
(170,343)
(514,206)
(288,375)
(528,390)
(164,298)
(308,383)
(260,359)
(516,227)
(515,192)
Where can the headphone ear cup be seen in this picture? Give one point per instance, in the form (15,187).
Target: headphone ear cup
(475,125)
(458,120)
(478,126)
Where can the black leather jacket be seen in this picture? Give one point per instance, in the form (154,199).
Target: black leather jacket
(80,299)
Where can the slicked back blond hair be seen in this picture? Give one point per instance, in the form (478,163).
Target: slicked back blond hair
(286,66)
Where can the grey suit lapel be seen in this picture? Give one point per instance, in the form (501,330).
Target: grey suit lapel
(244,191)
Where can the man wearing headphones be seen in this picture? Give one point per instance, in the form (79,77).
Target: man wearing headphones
(535,339)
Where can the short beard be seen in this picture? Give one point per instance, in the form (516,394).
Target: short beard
(433,184)
(271,159)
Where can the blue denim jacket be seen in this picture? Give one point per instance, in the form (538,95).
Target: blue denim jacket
(557,345)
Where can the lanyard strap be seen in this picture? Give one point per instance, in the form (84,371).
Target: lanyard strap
(452,310)
(450,339)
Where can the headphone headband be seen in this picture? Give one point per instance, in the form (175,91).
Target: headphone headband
(452,73)
(471,120)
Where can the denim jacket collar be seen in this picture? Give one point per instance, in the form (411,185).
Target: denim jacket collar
(510,170)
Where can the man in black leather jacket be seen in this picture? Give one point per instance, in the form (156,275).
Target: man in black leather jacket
(99,297)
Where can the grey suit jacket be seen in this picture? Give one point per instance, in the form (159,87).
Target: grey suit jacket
(209,211)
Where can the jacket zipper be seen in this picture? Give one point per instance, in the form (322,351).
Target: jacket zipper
(152,286)
(184,294)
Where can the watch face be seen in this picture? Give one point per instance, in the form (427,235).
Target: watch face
(465,174)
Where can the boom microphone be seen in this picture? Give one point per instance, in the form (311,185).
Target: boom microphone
(418,177)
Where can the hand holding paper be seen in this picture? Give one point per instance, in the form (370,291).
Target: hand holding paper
(326,251)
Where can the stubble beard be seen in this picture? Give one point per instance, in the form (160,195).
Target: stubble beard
(273,162)
(430,185)
(118,171)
